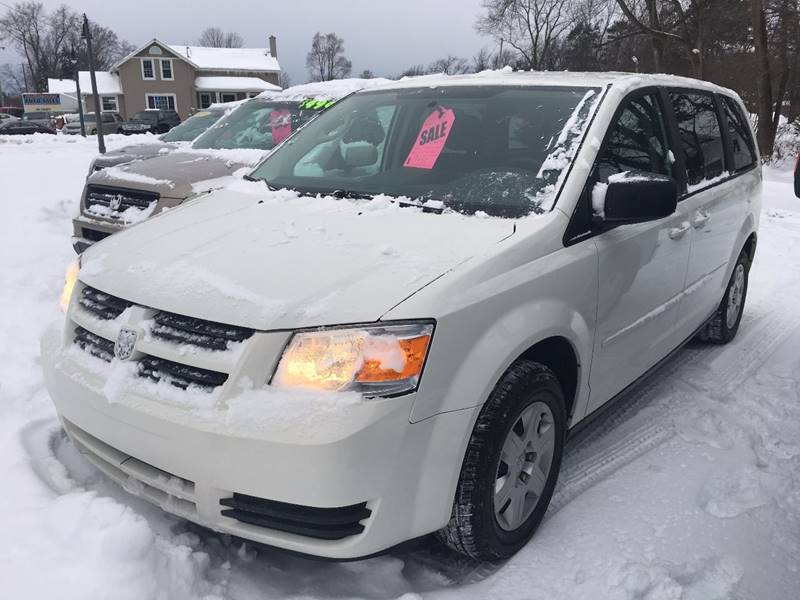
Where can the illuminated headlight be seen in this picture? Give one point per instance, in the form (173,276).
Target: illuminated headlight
(70,279)
(374,360)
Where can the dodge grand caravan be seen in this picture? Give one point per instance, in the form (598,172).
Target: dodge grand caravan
(390,329)
(119,197)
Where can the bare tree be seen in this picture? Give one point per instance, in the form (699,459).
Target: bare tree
(214,37)
(14,79)
(449,65)
(531,27)
(413,71)
(326,60)
(45,41)
(366,74)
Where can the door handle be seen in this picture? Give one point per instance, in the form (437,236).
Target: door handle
(678,232)
(700,219)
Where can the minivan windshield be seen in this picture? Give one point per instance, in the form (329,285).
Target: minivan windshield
(193,126)
(145,115)
(260,124)
(494,149)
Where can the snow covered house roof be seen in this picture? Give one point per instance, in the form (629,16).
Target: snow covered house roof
(214,83)
(107,84)
(228,59)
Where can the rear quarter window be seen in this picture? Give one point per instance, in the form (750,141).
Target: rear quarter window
(742,145)
(700,136)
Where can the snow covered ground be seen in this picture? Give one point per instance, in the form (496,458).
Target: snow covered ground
(688,489)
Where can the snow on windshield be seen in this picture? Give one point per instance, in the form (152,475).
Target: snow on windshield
(501,150)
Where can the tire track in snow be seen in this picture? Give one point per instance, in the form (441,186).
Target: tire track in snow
(596,453)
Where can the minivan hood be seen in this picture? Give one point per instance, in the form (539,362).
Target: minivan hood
(278,261)
(173,175)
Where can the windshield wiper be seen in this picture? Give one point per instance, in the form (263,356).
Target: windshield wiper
(351,195)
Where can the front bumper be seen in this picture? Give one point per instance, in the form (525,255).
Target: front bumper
(404,474)
(88,231)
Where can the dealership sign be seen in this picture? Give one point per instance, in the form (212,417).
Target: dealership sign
(42,101)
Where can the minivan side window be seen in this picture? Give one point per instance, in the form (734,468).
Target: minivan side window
(637,141)
(744,155)
(700,136)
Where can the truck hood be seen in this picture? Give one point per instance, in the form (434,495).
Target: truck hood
(178,174)
(276,260)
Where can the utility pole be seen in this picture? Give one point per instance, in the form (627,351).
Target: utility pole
(86,34)
(73,58)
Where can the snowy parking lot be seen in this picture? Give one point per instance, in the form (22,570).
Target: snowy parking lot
(687,488)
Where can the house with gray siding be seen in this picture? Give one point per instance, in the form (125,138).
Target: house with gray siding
(179,77)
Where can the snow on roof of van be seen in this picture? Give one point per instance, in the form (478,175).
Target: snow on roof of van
(507,76)
(223,83)
(107,83)
(228,59)
(326,90)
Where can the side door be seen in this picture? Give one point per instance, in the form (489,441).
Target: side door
(641,267)
(711,146)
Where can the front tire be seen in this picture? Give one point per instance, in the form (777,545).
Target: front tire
(723,326)
(511,465)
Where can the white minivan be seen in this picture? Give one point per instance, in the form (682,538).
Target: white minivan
(390,328)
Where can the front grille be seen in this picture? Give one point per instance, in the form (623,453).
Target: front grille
(179,375)
(197,332)
(319,523)
(93,235)
(94,344)
(118,200)
(102,305)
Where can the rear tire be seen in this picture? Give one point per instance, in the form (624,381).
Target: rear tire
(511,465)
(723,326)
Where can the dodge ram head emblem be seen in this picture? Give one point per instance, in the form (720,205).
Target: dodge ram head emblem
(115,202)
(126,341)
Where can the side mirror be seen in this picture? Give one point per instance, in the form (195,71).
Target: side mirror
(639,197)
(797,177)
(361,155)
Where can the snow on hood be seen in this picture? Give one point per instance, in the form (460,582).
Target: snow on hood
(175,175)
(273,260)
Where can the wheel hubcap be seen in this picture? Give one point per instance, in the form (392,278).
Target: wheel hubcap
(735,297)
(524,466)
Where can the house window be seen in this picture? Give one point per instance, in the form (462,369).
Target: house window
(205,100)
(109,103)
(228,97)
(148,71)
(160,101)
(166,68)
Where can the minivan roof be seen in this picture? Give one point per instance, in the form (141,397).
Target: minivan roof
(507,76)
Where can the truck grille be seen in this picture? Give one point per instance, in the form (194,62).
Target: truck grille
(197,332)
(180,375)
(118,200)
(94,344)
(308,521)
(101,305)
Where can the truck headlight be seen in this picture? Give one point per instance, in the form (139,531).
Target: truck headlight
(376,360)
(70,279)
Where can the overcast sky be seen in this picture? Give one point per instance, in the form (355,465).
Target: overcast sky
(382,35)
